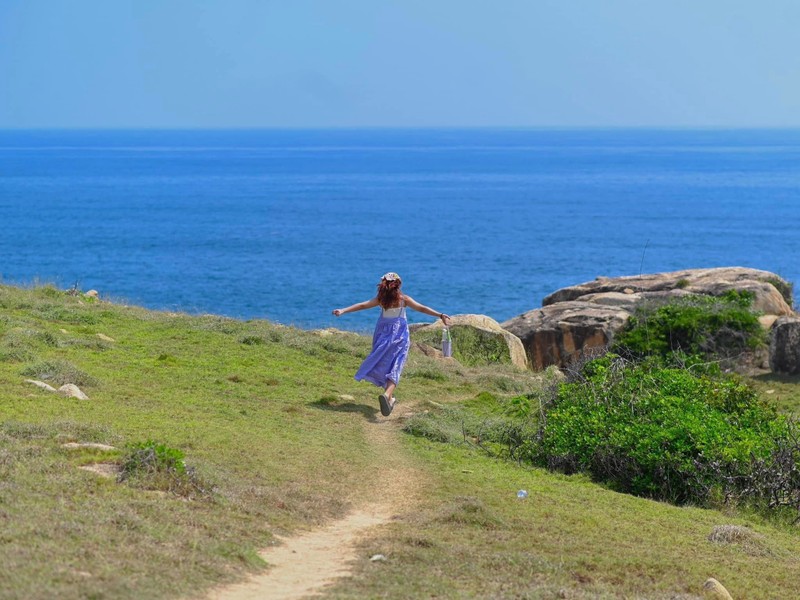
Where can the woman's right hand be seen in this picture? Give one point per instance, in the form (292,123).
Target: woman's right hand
(337,311)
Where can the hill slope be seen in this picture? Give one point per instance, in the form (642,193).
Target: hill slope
(279,439)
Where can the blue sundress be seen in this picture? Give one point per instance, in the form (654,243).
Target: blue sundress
(390,344)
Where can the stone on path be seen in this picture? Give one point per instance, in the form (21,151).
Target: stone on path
(105,338)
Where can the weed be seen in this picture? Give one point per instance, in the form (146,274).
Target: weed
(156,466)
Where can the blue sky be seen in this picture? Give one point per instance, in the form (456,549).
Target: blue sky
(409,63)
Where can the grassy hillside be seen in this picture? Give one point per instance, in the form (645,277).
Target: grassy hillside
(275,436)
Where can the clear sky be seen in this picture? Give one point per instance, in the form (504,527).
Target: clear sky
(403,63)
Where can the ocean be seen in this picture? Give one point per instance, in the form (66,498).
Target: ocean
(287,225)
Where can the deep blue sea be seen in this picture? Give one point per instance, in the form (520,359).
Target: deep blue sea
(288,224)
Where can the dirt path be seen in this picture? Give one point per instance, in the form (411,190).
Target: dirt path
(301,566)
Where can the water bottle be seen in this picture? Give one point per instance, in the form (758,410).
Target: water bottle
(522,494)
(447,343)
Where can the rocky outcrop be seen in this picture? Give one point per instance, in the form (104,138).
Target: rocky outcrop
(561,333)
(710,282)
(485,329)
(784,346)
(584,318)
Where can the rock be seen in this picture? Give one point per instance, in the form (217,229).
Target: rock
(710,282)
(108,470)
(561,333)
(584,318)
(72,391)
(377,558)
(714,589)
(784,346)
(346,398)
(486,328)
(331,331)
(767,321)
(427,350)
(92,294)
(91,445)
(105,338)
(41,384)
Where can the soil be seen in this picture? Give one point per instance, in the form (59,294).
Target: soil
(304,565)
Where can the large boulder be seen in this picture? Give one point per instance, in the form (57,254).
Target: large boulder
(582,318)
(561,333)
(784,347)
(772,293)
(477,339)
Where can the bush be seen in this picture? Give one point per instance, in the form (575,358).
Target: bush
(695,325)
(156,466)
(151,457)
(663,433)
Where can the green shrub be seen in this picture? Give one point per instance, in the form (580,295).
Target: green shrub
(663,433)
(151,457)
(695,325)
(156,466)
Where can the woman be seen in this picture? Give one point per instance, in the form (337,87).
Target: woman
(390,342)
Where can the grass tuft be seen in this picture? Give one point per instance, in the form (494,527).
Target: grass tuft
(59,372)
(155,466)
(470,511)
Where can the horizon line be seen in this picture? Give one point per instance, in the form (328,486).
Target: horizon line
(392,127)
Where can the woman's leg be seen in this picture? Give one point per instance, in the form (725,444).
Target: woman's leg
(385,399)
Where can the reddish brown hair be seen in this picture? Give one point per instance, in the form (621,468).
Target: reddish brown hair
(389,293)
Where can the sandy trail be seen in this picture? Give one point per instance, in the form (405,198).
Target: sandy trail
(303,565)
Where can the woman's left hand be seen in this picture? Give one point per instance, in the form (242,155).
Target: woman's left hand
(445,319)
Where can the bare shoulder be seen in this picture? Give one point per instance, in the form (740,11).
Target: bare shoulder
(409,300)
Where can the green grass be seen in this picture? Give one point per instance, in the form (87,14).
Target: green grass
(256,410)
(471,346)
(473,538)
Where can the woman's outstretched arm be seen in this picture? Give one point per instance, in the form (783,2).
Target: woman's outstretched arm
(426,309)
(353,308)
